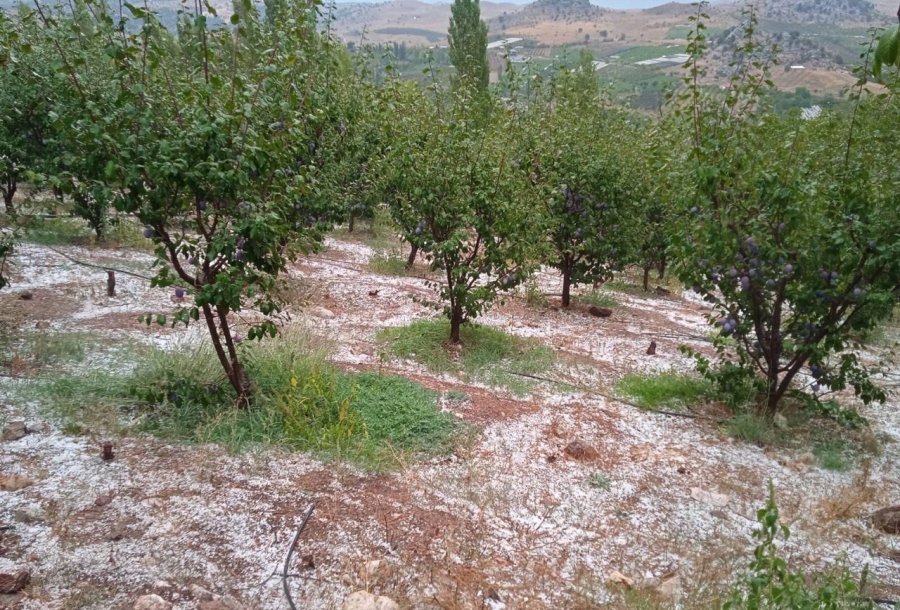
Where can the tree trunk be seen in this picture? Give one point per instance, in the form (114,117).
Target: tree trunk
(351,223)
(8,193)
(662,268)
(646,279)
(237,377)
(456,319)
(567,287)
(412,257)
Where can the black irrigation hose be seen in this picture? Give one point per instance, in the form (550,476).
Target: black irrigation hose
(103,267)
(290,553)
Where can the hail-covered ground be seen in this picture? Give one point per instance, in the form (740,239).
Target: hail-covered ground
(563,498)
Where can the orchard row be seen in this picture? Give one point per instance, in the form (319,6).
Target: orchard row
(238,147)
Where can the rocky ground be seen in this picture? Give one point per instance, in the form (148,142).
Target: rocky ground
(510,520)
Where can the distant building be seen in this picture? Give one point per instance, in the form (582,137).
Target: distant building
(665,60)
(813,112)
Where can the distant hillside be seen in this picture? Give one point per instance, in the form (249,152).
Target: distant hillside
(671,9)
(558,10)
(408,21)
(836,12)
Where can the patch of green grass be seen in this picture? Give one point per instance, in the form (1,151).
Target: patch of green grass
(49,348)
(59,231)
(300,402)
(390,263)
(751,428)
(597,298)
(484,353)
(599,480)
(834,454)
(664,391)
(122,232)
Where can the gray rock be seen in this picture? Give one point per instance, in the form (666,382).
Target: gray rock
(29,515)
(363,600)
(226,602)
(14,582)
(887,520)
(151,602)
(321,312)
(15,430)
(14,482)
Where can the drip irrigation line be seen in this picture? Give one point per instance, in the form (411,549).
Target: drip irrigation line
(290,553)
(95,266)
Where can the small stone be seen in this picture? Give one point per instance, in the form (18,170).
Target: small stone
(14,482)
(151,602)
(780,421)
(103,500)
(117,533)
(321,312)
(363,600)
(617,578)
(29,515)
(42,325)
(807,458)
(663,292)
(709,497)
(38,427)
(579,450)
(887,519)
(14,582)
(600,312)
(162,585)
(670,588)
(15,430)
(26,296)
(226,602)
(201,594)
(307,562)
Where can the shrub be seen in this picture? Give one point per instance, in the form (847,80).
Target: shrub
(771,583)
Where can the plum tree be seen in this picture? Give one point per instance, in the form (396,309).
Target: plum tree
(204,137)
(788,230)
(581,164)
(25,95)
(458,194)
